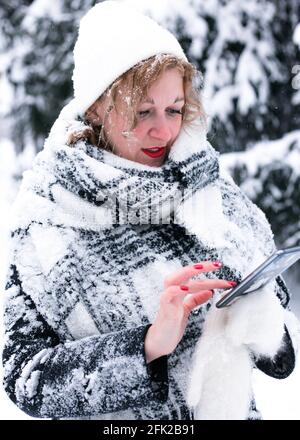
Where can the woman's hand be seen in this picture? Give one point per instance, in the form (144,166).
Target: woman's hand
(175,306)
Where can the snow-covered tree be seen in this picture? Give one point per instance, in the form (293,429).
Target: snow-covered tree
(37,39)
(269,173)
(246,53)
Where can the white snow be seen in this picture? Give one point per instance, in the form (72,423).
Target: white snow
(296,35)
(80,323)
(42,8)
(6,91)
(265,152)
(51,246)
(249,70)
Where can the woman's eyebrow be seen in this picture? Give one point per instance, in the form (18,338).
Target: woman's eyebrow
(150,101)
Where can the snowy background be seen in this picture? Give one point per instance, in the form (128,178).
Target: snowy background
(249,56)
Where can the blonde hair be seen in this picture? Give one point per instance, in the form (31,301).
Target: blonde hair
(132,88)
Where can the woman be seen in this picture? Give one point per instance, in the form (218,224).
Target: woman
(123,229)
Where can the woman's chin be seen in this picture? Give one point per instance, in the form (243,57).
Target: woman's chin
(152,161)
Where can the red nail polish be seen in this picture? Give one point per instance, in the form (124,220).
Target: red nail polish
(232,283)
(198,266)
(217,264)
(184,288)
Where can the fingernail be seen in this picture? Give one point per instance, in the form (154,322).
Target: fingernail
(217,264)
(184,288)
(198,266)
(232,283)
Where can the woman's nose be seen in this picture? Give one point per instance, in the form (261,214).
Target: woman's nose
(161,130)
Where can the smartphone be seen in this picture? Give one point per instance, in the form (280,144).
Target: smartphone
(271,268)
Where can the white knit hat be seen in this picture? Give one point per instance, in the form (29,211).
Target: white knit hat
(113,37)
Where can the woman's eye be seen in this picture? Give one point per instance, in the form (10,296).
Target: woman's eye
(143,113)
(174,111)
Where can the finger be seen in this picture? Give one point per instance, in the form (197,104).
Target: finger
(195,286)
(181,276)
(195,300)
(172,293)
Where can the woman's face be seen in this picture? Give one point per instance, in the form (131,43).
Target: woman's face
(159,120)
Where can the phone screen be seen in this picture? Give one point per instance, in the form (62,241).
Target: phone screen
(276,268)
(270,269)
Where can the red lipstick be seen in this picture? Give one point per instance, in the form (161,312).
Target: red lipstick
(154,152)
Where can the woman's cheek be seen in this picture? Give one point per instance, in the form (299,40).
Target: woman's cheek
(141,131)
(177,127)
